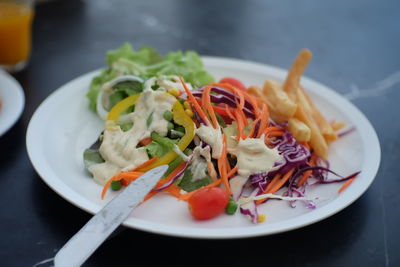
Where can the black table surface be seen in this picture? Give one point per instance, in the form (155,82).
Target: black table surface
(356,51)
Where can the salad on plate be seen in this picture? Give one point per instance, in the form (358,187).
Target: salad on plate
(229,147)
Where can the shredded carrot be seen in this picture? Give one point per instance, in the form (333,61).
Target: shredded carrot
(273,182)
(146,141)
(217,109)
(252,100)
(127,177)
(277,185)
(145,164)
(150,195)
(232,172)
(240,125)
(165,180)
(174,190)
(208,107)
(264,120)
(105,188)
(243,117)
(220,110)
(228,111)
(269,186)
(172,174)
(281,182)
(228,165)
(211,171)
(242,96)
(222,160)
(186,196)
(196,106)
(254,127)
(118,177)
(272,129)
(238,93)
(276,133)
(345,185)
(304,177)
(307,174)
(305,144)
(240,106)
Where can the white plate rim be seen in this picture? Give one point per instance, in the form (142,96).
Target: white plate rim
(13,102)
(370,166)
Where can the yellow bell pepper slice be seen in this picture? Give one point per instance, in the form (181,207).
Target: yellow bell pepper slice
(121,106)
(179,116)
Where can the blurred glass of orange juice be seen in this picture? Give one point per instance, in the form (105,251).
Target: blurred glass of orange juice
(15,33)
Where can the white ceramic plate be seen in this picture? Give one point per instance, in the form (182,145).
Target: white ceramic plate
(12,101)
(63,126)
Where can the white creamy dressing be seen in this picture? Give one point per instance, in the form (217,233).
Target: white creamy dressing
(180,153)
(198,169)
(107,87)
(237,183)
(106,90)
(166,83)
(200,159)
(202,151)
(212,137)
(253,156)
(118,148)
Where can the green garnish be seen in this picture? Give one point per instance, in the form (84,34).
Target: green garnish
(231,207)
(168,115)
(149,119)
(170,126)
(116,185)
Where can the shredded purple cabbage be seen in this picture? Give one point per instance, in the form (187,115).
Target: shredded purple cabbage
(291,150)
(250,209)
(346,132)
(179,174)
(228,98)
(321,175)
(237,184)
(296,156)
(294,191)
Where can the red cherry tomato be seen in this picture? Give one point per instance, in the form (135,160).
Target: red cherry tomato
(208,203)
(234,82)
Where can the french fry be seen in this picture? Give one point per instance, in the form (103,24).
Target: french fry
(257,92)
(336,126)
(292,81)
(282,104)
(290,102)
(317,141)
(323,125)
(299,130)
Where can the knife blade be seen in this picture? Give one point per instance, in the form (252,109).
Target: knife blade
(79,248)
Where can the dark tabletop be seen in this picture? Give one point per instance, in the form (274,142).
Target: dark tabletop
(356,47)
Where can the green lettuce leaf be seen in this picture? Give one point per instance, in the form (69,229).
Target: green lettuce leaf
(199,78)
(95,85)
(125,126)
(147,63)
(91,157)
(144,56)
(187,183)
(123,90)
(188,65)
(160,145)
